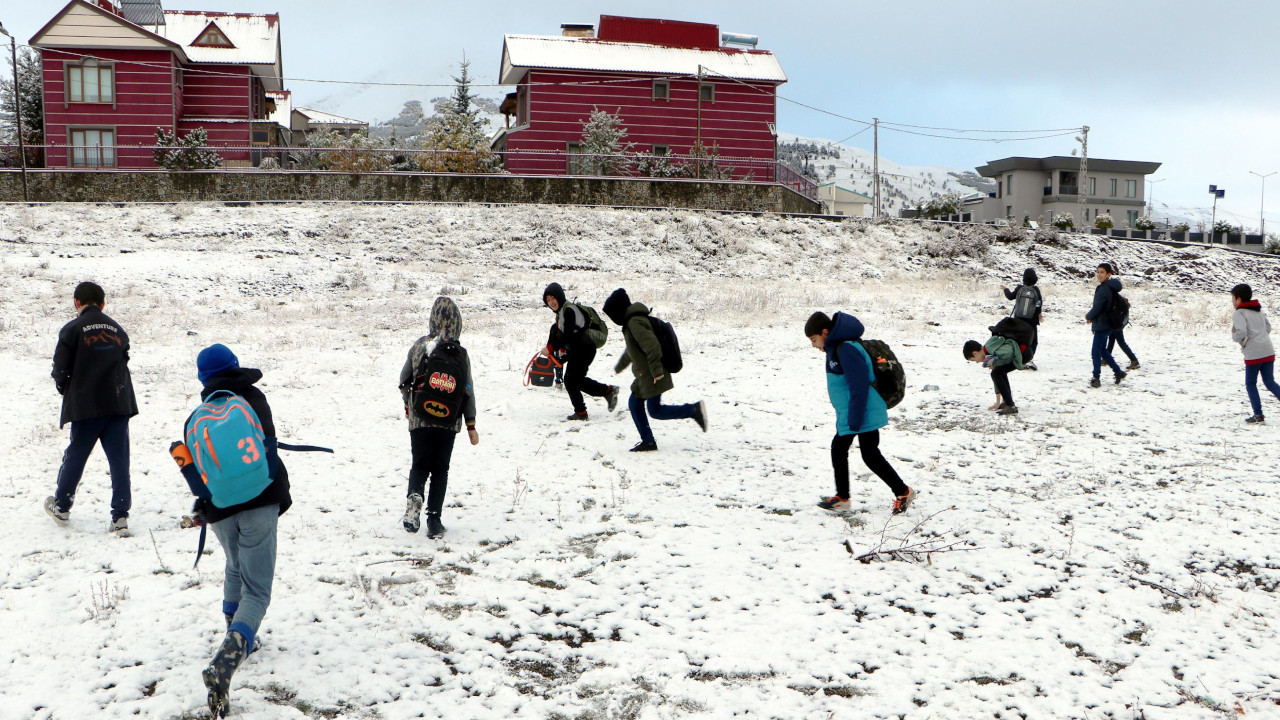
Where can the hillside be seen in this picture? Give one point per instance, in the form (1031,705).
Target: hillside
(1113,551)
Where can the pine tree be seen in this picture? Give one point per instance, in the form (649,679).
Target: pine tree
(604,143)
(455,138)
(463,100)
(30,98)
(187,153)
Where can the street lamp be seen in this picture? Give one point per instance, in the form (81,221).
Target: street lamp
(1262,218)
(17,109)
(1217,192)
(1151,201)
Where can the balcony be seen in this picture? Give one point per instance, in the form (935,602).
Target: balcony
(1068,189)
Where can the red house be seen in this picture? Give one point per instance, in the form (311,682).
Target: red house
(113,74)
(673,83)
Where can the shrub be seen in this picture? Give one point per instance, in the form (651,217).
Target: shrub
(1144,223)
(1104,222)
(940,205)
(1271,244)
(188,153)
(1064,221)
(1222,227)
(1182,228)
(961,244)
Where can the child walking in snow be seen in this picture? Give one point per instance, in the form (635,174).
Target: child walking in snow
(571,335)
(1252,330)
(860,411)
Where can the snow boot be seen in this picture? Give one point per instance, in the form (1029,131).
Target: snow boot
(1095,383)
(1120,376)
(1135,365)
(412,519)
(1256,419)
(217,677)
(435,528)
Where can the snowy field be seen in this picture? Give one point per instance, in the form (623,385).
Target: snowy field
(1113,552)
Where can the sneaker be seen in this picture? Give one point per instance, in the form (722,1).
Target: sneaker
(1030,366)
(1256,419)
(1120,376)
(578,416)
(645,447)
(902,502)
(700,415)
(1007,409)
(119,527)
(1134,365)
(612,397)
(217,677)
(1095,383)
(435,528)
(62,517)
(413,514)
(835,502)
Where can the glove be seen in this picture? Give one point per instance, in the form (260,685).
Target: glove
(181,454)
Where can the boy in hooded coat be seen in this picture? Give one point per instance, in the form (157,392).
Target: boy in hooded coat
(569,337)
(431,440)
(860,411)
(644,355)
(1252,330)
(1104,296)
(1029,280)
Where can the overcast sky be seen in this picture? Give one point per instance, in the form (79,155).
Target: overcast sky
(1190,84)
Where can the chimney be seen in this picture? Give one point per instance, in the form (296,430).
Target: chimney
(577,30)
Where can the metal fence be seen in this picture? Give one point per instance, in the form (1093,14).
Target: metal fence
(242,158)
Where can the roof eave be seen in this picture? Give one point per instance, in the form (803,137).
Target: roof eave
(34,41)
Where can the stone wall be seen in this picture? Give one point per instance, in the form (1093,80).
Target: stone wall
(221,185)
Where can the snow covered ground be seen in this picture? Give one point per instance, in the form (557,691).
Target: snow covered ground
(1116,549)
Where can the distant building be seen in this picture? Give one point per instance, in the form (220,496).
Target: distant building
(309,120)
(1041,188)
(838,200)
(673,84)
(115,73)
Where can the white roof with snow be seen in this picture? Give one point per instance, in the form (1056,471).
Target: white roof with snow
(284,108)
(320,117)
(522,52)
(256,37)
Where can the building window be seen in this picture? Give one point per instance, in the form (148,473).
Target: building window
(1131,188)
(522,106)
(999,188)
(1008,184)
(1008,211)
(1113,187)
(707,93)
(661,90)
(93,148)
(90,82)
(1133,215)
(1093,186)
(578,162)
(213,37)
(661,150)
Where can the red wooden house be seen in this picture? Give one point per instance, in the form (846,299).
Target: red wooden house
(673,83)
(113,74)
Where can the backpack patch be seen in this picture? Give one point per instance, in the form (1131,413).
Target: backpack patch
(229,448)
(890,377)
(437,388)
(672,362)
(1026,303)
(1118,313)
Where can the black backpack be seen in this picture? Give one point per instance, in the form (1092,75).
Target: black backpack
(1026,302)
(669,343)
(890,378)
(1118,313)
(1019,331)
(438,386)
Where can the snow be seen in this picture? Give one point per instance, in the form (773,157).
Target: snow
(256,36)
(320,117)
(521,52)
(1119,545)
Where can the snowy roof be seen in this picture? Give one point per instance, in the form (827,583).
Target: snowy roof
(836,186)
(284,108)
(256,37)
(521,52)
(320,117)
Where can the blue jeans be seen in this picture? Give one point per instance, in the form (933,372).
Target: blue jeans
(1100,353)
(249,540)
(113,432)
(658,411)
(1251,373)
(1117,336)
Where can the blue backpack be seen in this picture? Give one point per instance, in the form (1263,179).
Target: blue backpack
(226,441)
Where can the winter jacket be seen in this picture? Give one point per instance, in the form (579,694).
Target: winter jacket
(859,408)
(446,325)
(91,368)
(643,354)
(241,381)
(571,325)
(1103,297)
(1005,351)
(1252,330)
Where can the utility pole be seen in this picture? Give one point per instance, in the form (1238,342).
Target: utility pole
(875,169)
(1262,217)
(1082,185)
(1217,193)
(17,111)
(1151,198)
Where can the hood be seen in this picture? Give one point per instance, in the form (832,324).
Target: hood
(634,310)
(555,291)
(615,308)
(235,380)
(1029,276)
(1251,305)
(843,327)
(1113,284)
(446,320)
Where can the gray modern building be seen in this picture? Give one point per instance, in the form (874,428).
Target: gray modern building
(1043,188)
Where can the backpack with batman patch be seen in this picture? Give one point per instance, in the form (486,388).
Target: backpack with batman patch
(438,386)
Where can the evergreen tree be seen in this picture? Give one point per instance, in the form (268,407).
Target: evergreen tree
(30,98)
(186,153)
(463,101)
(604,143)
(455,135)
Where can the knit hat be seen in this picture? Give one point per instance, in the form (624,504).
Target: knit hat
(213,360)
(1029,276)
(555,291)
(616,306)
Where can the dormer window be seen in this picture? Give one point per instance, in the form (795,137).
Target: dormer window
(212,37)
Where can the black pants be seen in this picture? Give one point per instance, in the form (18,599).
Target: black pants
(113,432)
(1035,343)
(432,449)
(869,444)
(1000,376)
(581,353)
